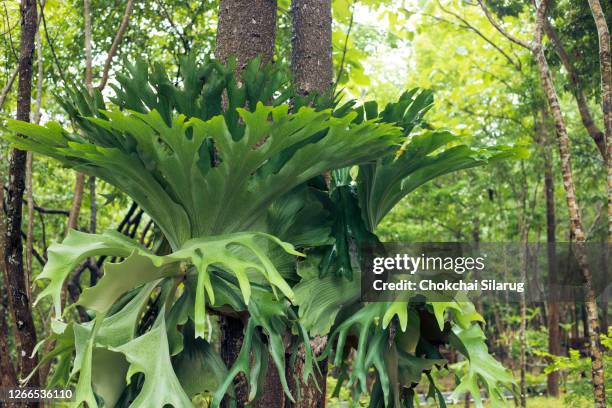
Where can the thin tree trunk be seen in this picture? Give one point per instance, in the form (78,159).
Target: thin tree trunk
(476,238)
(246,29)
(522,331)
(8,86)
(606,107)
(129,8)
(524,226)
(88,56)
(93,212)
(312,68)
(25,333)
(311,58)
(554,345)
(576,86)
(79,181)
(606,93)
(575,219)
(574,335)
(585,322)
(77,199)
(79,184)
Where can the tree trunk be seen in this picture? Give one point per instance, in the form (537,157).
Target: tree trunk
(524,248)
(129,8)
(476,238)
(8,377)
(309,394)
(576,86)
(606,107)
(77,197)
(312,68)
(246,29)
(231,338)
(311,59)
(606,93)
(575,219)
(574,335)
(554,345)
(25,333)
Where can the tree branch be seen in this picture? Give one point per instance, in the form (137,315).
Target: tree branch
(60,70)
(116,42)
(8,86)
(502,31)
(467,25)
(174,26)
(346,38)
(576,86)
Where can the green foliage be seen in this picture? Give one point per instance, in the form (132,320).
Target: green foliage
(391,47)
(218,175)
(483,369)
(576,370)
(169,172)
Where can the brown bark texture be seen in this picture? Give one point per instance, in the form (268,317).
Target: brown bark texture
(246,29)
(231,338)
(311,394)
(8,377)
(575,219)
(77,199)
(312,68)
(605,63)
(25,333)
(311,59)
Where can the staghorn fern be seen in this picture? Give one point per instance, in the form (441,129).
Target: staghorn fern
(235,191)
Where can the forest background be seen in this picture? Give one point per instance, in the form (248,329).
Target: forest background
(480,60)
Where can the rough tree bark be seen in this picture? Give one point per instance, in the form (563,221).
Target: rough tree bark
(311,59)
(246,29)
(8,377)
(25,333)
(606,97)
(312,68)
(87,44)
(575,218)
